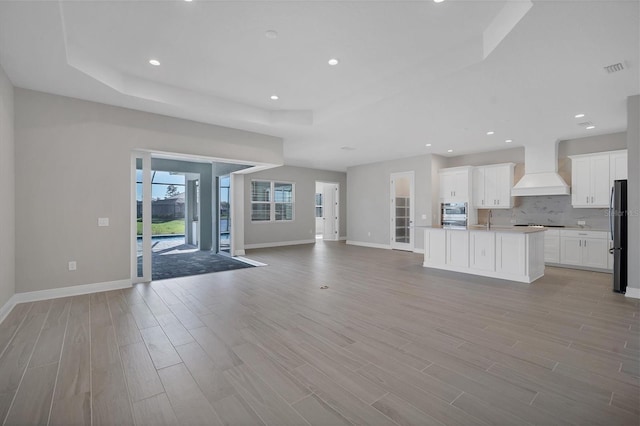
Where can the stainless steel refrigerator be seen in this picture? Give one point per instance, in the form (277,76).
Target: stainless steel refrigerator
(618,225)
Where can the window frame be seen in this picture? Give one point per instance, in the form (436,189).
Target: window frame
(272,202)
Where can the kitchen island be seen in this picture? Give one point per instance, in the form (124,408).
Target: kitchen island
(515,254)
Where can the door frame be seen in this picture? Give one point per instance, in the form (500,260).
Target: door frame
(146,217)
(230,227)
(336,210)
(412,206)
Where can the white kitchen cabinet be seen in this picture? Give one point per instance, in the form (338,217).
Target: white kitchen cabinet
(592,176)
(516,255)
(492,186)
(458,249)
(617,166)
(482,250)
(455,184)
(552,246)
(511,254)
(588,249)
(435,243)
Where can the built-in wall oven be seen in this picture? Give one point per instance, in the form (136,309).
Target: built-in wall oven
(454,215)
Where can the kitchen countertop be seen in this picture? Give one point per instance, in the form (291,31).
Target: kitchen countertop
(508,228)
(513,229)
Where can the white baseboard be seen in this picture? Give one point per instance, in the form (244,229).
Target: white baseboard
(6,308)
(56,293)
(632,292)
(342,239)
(279,244)
(418,250)
(239,253)
(372,245)
(249,261)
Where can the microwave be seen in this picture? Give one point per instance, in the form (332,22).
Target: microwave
(454,215)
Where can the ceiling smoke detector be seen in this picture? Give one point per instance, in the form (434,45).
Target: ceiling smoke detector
(614,68)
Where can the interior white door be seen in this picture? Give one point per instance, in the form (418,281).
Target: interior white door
(330,209)
(402,211)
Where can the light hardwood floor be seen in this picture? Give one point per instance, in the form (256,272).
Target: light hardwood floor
(389,342)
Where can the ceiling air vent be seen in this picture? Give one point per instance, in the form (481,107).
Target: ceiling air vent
(614,68)
(347,148)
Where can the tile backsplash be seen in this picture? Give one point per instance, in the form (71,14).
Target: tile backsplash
(547,210)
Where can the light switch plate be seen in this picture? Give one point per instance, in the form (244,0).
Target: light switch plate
(72,265)
(103,221)
(582,222)
(424,217)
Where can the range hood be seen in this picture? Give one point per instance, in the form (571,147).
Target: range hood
(541,172)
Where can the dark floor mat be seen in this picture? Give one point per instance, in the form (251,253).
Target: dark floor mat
(176,265)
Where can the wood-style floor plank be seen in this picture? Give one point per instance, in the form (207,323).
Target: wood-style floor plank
(16,356)
(142,378)
(188,402)
(261,398)
(205,372)
(154,411)
(162,352)
(389,342)
(317,413)
(110,403)
(72,398)
(33,400)
(234,411)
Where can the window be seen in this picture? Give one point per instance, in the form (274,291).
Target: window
(318,205)
(271,201)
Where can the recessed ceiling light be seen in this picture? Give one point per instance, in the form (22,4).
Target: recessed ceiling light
(579,115)
(590,127)
(438,1)
(449,150)
(333,61)
(428,144)
(274,97)
(508,141)
(154,62)
(188,1)
(271,34)
(489,133)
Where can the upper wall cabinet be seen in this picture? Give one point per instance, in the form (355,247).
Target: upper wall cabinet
(617,166)
(492,186)
(455,185)
(592,176)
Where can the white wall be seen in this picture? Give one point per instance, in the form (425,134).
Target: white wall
(7,188)
(368,212)
(73,166)
(633,195)
(303,227)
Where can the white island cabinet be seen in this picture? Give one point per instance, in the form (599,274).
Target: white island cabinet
(511,254)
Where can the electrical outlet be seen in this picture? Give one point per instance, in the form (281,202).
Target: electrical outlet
(582,222)
(424,217)
(72,265)
(513,221)
(368,234)
(103,221)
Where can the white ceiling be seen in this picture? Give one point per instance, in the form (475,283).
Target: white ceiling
(410,72)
